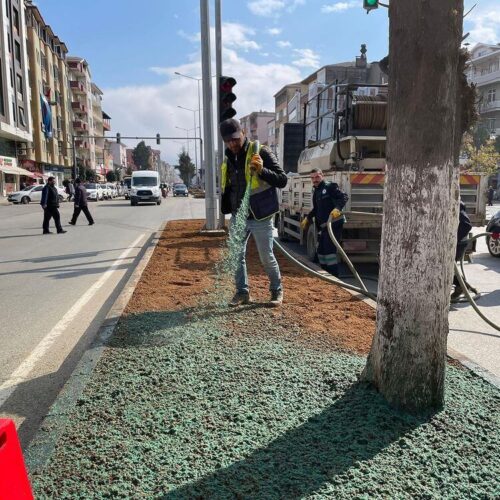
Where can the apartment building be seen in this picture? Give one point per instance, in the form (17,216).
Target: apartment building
(49,154)
(484,71)
(255,125)
(15,113)
(119,155)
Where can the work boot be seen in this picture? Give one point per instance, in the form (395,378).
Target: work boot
(239,299)
(72,223)
(62,231)
(276,298)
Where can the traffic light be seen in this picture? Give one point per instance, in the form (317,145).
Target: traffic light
(118,138)
(158,138)
(369,5)
(226,97)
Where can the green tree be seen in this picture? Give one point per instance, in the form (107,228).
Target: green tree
(111,176)
(186,167)
(480,135)
(88,174)
(142,156)
(484,158)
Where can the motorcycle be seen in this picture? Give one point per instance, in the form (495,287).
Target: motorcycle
(493,240)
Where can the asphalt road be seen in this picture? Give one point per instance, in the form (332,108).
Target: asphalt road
(55,290)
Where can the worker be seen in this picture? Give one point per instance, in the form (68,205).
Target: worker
(464,226)
(243,165)
(328,200)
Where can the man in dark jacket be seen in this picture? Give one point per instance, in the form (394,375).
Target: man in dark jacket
(81,204)
(50,205)
(328,200)
(248,166)
(464,226)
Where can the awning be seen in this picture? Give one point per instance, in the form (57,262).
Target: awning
(11,169)
(26,173)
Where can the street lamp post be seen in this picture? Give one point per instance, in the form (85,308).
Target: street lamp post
(195,149)
(198,80)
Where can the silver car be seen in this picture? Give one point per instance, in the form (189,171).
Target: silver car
(33,194)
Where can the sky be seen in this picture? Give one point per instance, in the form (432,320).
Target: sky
(134,49)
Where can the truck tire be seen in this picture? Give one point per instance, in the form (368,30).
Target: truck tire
(312,242)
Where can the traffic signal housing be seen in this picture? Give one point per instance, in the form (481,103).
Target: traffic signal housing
(158,138)
(226,98)
(369,5)
(118,138)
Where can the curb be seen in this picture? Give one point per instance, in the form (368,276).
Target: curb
(42,445)
(451,353)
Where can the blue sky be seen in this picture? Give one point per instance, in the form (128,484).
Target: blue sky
(135,47)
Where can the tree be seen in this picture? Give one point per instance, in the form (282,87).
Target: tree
(88,174)
(142,156)
(111,176)
(408,354)
(484,158)
(186,167)
(480,136)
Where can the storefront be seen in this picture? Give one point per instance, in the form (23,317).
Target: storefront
(12,176)
(55,171)
(36,170)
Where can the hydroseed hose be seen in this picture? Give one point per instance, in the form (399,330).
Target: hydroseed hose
(363,290)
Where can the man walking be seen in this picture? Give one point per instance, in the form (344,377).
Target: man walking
(242,167)
(81,204)
(328,200)
(491,193)
(50,205)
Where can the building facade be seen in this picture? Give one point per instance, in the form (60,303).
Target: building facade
(255,125)
(118,153)
(49,154)
(484,71)
(15,112)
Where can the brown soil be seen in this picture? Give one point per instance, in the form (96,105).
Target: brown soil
(315,313)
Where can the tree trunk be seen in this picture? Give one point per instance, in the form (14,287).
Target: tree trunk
(408,355)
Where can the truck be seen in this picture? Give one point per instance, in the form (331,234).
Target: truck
(344,134)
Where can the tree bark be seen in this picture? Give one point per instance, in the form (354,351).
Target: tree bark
(408,356)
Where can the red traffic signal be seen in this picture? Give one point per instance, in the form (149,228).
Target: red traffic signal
(226,98)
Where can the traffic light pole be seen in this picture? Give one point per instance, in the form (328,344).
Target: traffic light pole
(218,73)
(210,191)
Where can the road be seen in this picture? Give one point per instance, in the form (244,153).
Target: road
(55,291)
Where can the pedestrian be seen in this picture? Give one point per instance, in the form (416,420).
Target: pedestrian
(70,190)
(464,226)
(328,200)
(491,193)
(81,204)
(50,205)
(260,170)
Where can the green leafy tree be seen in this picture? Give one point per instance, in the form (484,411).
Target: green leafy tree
(186,167)
(88,174)
(142,156)
(484,158)
(111,176)
(480,136)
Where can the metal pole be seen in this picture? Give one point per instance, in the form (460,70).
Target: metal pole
(210,192)
(200,178)
(75,168)
(218,74)
(195,146)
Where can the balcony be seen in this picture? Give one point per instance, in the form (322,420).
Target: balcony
(81,144)
(79,125)
(106,121)
(77,87)
(78,107)
(76,67)
(481,80)
(487,107)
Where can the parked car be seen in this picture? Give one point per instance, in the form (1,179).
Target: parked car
(94,191)
(180,190)
(145,187)
(127,181)
(493,241)
(112,190)
(33,194)
(106,193)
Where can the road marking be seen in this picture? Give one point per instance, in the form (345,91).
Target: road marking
(20,375)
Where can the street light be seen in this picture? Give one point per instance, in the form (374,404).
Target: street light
(198,80)
(195,149)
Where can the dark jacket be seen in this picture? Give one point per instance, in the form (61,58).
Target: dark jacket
(272,173)
(80,195)
(50,196)
(326,197)
(464,224)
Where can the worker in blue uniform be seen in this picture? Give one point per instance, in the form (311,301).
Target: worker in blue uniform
(328,200)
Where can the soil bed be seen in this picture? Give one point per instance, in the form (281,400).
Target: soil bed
(190,402)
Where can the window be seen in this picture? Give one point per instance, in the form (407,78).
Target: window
(14,112)
(492,93)
(22,117)
(19,80)
(17,51)
(492,125)
(15,18)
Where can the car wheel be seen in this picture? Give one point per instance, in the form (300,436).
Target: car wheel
(25,200)
(158,202)
(133,203)
(493,246)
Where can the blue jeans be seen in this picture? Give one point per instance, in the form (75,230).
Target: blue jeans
(262,231)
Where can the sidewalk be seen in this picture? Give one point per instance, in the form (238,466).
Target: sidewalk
(192,401)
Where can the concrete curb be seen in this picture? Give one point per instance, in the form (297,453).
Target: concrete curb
(42,445)
(451,353)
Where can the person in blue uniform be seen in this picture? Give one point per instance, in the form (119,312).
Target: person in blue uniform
(327,199)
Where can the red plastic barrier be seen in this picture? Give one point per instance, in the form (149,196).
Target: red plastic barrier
(14,482)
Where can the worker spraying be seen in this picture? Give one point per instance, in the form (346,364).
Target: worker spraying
(328,200)
(247,165)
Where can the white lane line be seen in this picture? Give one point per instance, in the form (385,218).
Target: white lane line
(22,372)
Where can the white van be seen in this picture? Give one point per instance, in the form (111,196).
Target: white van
(145,187)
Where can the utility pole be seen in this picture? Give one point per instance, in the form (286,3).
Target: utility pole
(73,151)
(210,191)
(218,74)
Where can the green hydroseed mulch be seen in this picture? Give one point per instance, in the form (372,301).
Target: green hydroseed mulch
(180,407)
